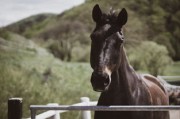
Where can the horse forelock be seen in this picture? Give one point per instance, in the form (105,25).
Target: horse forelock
(109,18)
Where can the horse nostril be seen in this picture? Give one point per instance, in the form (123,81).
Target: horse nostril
(100,81)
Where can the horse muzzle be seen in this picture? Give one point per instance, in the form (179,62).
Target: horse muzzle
(100,81)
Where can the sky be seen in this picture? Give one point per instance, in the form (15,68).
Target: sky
(15,10)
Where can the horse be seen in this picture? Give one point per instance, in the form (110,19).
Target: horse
(113,75)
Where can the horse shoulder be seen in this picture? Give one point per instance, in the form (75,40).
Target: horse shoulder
(158,92)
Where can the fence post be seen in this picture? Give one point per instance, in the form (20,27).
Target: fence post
(33,114)
(86,114)
(15,108)
(57,114)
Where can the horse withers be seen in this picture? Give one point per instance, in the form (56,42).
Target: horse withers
(114,77)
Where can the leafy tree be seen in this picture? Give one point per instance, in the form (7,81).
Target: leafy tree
(163,19)
(171,7)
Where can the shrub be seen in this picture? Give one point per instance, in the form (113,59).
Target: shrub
(61,49)
(4,34)
(151,57)
(66,83)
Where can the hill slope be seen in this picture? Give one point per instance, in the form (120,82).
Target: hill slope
(35,22)
(31,72)
(147,21)
(72,28)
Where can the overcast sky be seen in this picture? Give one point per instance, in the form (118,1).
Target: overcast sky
(14,10)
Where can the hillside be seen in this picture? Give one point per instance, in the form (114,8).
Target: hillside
(147,21)
(31,72)
(33,23)
(66,35)
(73,27)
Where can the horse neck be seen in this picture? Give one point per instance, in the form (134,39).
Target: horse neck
(120,90)
(127,77)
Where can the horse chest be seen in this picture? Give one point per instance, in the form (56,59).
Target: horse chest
(112,115)
(114,98)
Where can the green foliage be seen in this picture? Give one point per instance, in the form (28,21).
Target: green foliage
(15,83)
(162,17)
(151,57)
(72,27)
(30,85)
(81,53)
(4,34)
(61,49)
(148,20)
(40,78)
(31,25)
(71,48)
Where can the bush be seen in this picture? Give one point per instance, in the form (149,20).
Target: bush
(65,83)
(151,57)
(61,49)
(74,47)
(4,34)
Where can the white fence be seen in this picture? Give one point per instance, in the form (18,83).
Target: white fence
(55,113)
(170,77)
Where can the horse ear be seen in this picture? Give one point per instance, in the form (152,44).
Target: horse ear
(122,17)
(96,13)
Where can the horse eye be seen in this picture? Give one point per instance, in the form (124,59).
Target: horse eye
(122,40)
(92,36)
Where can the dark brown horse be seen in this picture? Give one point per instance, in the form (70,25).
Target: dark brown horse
(113,76)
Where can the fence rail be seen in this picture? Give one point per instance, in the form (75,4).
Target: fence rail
(174,80)
(55,113)
(86,109)
(90,106)
(169,77)
(105,108)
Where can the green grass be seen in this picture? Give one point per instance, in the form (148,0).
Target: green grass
(173,70)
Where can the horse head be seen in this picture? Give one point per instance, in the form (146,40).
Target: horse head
(107,39)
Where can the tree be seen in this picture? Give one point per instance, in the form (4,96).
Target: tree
(162,17)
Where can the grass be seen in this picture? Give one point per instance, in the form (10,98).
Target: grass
(173,70)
